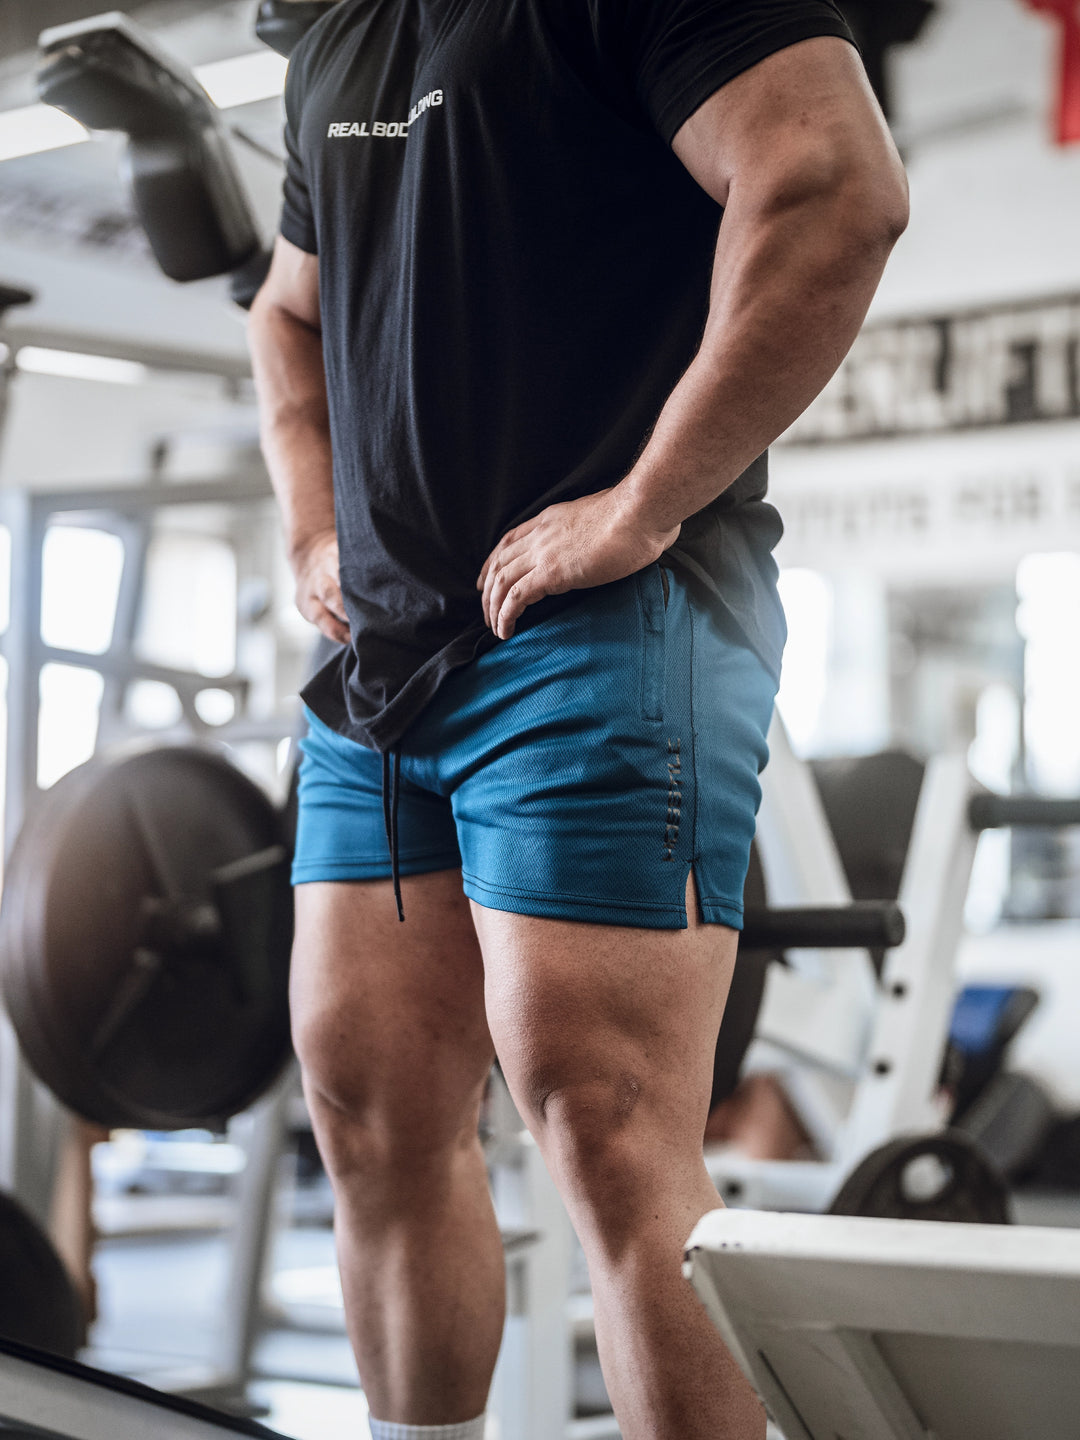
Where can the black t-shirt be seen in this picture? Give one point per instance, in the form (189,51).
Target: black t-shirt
(514,272)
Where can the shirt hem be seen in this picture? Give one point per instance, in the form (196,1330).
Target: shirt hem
(296,235)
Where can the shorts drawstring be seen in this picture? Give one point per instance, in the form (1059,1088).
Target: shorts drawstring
(391,789)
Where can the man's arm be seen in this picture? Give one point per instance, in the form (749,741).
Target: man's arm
(815,197)
(286,354)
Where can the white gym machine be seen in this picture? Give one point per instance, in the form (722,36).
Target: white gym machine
(897,1329)
(859,1057)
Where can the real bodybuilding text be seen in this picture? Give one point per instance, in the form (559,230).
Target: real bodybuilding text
(389,129)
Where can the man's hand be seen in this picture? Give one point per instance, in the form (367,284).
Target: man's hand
(571,546)
(318,585)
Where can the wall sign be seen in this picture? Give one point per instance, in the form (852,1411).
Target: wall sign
(949,510)
(1002,365)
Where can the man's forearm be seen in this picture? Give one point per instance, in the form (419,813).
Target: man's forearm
(793,279)
(294,423)
(792,285)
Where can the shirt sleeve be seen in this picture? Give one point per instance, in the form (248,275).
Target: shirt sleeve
(683,51)
(297,215)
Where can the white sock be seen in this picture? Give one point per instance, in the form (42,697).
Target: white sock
(390,1430)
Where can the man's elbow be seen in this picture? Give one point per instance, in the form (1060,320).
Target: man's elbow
(868,197)
(844,188)
(881,207)
(274,308)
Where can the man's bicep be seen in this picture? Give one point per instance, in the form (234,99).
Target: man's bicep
(790,120)
(293,282)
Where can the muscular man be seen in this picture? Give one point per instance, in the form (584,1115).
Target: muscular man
(517,383)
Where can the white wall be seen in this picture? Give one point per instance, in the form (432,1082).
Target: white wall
(995,204)
(995,217)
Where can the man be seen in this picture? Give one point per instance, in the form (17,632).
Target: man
(516,391)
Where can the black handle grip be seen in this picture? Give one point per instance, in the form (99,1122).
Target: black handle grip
(996,812)
(862,925)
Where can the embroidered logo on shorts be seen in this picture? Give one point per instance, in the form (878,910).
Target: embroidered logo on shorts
(674,799)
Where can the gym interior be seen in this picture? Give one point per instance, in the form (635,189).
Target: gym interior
(895,1123)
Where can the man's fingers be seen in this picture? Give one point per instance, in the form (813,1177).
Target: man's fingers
(331,626)
(332,600)
(487,578)
(499,582)
(504,560)
(481,579)
(519,597)
(327,587)
(496,551)
(513,539)
(322,616)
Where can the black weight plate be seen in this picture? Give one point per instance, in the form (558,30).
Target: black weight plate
(25,890)
(145,962)
(26,893)
(966,1187)
(39,1305)
(84,1085)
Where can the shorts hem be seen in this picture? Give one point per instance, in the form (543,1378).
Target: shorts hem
(722,912)
(310,872)
(573,907)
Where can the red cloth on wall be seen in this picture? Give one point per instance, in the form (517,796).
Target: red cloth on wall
(1067,12)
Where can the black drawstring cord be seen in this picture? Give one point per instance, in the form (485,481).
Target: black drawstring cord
(391,788)
(395,868)
(386,797)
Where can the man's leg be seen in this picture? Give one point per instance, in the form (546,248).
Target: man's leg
(388,1021)
(606,1037)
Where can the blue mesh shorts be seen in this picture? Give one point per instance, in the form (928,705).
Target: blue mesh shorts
(578,770)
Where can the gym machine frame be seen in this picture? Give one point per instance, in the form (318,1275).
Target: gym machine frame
(867,1051)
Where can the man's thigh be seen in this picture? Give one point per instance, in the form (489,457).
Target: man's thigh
(609,1029)
(388,1018)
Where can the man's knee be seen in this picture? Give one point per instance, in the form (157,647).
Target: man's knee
(597,1129)
(373,1115)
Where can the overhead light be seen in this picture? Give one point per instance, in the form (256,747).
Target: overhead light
(259,75)
(33,128)
(74,365)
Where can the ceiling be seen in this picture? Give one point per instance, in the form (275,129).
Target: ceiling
(67,230)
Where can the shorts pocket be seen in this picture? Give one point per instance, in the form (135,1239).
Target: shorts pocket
(650,587)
